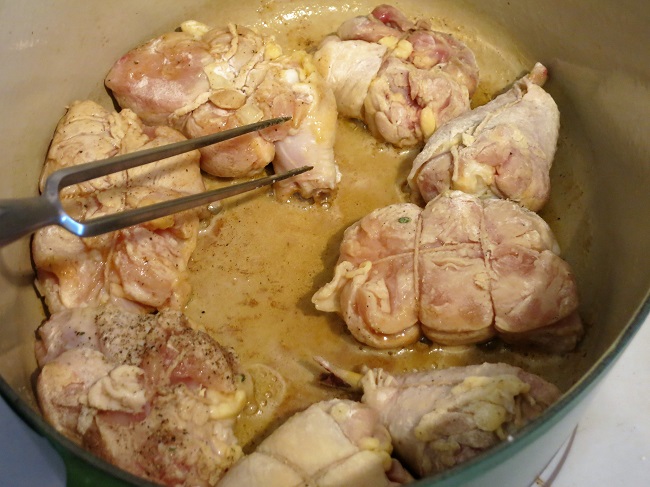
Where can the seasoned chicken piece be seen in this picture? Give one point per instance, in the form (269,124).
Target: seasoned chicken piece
(88,132)
(331,443)
(504,148)
(64,382)
(401,78)
(461,271)
(145,392)
(142,267)
(227,77)
(440,418)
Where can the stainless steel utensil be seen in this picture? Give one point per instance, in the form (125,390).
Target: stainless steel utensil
(20,217)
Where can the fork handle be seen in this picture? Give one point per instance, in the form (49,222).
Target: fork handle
(20,217)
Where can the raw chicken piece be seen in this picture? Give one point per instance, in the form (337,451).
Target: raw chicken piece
(145,392)
(331,443)
(531,286)
(312,140)
(374,287)
(440,418)
(88,132)
(161,76)
(455,302)
(142,267)
(244,86)
(209,80)
(348,68)
(504,148)
(461,271)
(401,78)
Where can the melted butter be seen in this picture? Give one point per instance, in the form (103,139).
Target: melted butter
(254,272)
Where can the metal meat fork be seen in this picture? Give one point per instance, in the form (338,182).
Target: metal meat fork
(20,217)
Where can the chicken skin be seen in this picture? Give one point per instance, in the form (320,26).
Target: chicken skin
(147,393)
(88,132)
(504,148)
(142,267)
(440,418)
(401,78)
(203,80)
(332,443)
(461,271)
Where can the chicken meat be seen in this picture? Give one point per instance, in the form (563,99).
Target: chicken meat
(461,271)
(203,80)
(147,393)
(504,148)
(440,418)
(142,267)
(332,443)
(88,132)
(401,78)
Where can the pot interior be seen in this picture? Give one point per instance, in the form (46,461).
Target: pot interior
(599,201)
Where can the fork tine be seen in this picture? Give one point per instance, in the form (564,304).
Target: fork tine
(116,221)
(20,217)
(77,174)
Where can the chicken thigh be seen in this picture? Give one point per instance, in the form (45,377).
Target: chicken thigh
(203,80)
(311,140)
(401,78)
(332,443)
(504,148)
(88,132)
(141,267)
(440,418)
(461,271)
(145,392)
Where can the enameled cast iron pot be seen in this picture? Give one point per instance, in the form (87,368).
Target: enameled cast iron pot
(54,52)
